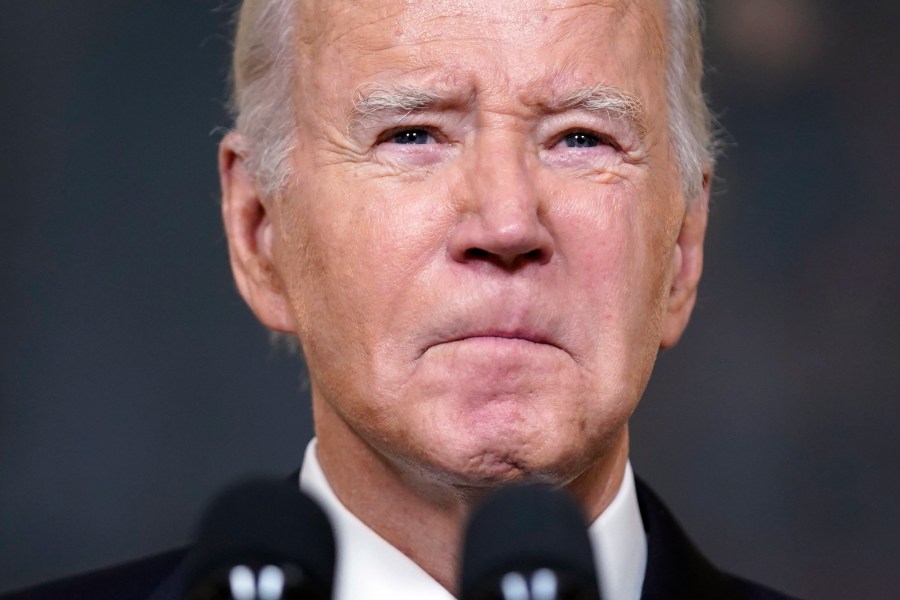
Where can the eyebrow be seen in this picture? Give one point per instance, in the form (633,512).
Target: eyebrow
(605,98)
(377,100)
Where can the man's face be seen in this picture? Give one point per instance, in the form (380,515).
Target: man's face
(479,248)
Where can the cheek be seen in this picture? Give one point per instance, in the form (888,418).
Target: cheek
(616,242)
(605,237)
(353,259)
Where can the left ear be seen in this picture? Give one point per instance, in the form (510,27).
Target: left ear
(687,266)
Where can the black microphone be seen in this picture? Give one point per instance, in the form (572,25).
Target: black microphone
(528,542)
(262,540)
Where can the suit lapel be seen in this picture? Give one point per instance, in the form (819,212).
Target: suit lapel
(675,568)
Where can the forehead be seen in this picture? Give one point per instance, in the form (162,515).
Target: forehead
(522,46)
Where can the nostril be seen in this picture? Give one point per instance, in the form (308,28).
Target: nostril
(477,254)
(505,235)
(508,261)
(536,255)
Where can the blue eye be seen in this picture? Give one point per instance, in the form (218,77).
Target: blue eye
(580,139)
(411,136)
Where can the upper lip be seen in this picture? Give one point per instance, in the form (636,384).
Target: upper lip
(496,318)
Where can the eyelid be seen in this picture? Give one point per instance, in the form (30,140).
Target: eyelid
(603,138)
(616,133)
(388,134)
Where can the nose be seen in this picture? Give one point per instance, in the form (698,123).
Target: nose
(502,217)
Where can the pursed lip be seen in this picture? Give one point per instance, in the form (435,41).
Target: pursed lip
(525,335)
(537,338)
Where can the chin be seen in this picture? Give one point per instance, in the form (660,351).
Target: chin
(491,437)
(497,462)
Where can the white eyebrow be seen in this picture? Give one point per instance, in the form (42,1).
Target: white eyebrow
(374,99)
(609,99)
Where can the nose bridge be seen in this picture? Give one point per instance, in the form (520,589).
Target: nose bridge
(502,217)
(500,181)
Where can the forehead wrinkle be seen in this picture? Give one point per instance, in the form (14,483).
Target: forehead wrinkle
(654,29)
(643,17)
(618,10)
(323,23)
(618,7)
(372,100)
(531,14)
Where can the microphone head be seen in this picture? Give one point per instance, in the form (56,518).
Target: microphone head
(262,540)
(528,542)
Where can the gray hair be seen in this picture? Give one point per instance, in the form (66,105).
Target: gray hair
(264,70)
(690,119)
(263,77)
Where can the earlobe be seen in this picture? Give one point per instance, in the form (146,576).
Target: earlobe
(687,267)
(251,238)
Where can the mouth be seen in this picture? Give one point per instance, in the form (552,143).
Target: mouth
(499,337)
(533,337)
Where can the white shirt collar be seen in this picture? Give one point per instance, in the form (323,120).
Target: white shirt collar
(620,544)
(378,571)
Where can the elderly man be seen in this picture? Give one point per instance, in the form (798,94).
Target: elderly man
(481,220)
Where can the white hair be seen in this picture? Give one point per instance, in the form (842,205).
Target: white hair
(690,119)
(264,71)
(263,78)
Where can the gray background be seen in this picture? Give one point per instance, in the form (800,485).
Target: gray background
(134,382)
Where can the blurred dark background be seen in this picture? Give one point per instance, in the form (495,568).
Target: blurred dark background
(134,382)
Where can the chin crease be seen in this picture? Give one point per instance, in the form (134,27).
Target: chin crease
(492,468)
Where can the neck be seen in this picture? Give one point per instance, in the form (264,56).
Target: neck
(421,515)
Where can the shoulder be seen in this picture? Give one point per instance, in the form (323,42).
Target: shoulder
(748,590)
(135,580)
(676,568)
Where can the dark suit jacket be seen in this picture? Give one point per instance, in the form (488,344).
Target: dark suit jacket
(675,571)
